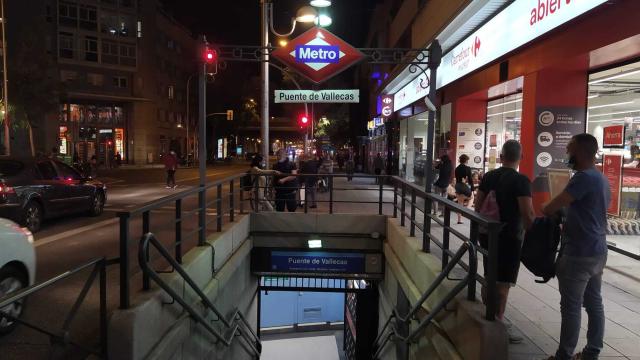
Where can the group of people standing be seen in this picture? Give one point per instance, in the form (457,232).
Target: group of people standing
(583,253)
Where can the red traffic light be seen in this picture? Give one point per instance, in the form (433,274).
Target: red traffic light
(210,56)
(303,121)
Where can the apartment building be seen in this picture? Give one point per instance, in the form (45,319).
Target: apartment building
(124,65)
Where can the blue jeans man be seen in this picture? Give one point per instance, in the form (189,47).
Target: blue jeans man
(580,281)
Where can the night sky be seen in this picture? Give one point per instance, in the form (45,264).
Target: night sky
(237,22)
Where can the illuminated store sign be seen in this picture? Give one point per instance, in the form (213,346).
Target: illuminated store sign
(518,24)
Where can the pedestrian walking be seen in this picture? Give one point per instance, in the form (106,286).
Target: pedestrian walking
(285,184)
(509,191)
(445,168)
(170,166)
(464,183)
(350,166)
(584,249)
(260,174)
(378,166)
(310,170)
(340,160)
(93,163)
(118,159)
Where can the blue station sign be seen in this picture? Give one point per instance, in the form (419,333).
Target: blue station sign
(317,54)
(289,261)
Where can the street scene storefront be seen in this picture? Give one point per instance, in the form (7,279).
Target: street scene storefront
(89,129)
(496,85)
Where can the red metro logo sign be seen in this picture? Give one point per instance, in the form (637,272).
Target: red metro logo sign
(318,55)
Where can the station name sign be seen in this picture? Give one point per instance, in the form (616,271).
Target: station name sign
(317,54)
(320,96)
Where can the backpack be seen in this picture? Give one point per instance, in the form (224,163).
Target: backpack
(247,181)
(540,248)
(490,208)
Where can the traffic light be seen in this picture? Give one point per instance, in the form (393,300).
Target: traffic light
(210,56)
(303,121)
(211,61)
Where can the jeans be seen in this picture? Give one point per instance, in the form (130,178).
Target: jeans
(580,281)
(288,199)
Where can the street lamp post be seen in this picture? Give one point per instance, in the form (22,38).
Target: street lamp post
(304,14)
(188,122)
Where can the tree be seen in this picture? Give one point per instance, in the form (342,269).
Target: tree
(33,85)
(336,125)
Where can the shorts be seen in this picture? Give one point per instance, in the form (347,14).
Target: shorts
(509,250)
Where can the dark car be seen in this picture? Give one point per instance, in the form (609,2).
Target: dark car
(32,190)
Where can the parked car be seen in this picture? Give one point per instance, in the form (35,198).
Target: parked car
(32,190)
(17,268)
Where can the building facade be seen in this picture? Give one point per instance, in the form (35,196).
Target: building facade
(525,70)
(122,65)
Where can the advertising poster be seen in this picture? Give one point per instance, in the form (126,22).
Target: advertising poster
(613,136)
(554,128)
(612,170)
(470,141)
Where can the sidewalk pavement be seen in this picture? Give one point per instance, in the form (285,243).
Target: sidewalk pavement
(534,309)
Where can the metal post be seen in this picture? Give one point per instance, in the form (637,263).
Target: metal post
(188,118)
(445,236)
(202,144)
(103,308)
(125,281)
(412,226)
(179,231)
(219,212)
(5,84)
(264,77)
(426,228)
(395,199)
(435,55)
(232,209)
(146,285)
(330,194)
(380,191)
(402,205)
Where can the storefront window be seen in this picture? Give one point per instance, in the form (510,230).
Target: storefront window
(504,116)
(118,115)
(104,115)
(63,115)
(75,112)
(614,109)
(413,145)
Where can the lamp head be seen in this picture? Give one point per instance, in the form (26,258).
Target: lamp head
(306,14)
(320,3)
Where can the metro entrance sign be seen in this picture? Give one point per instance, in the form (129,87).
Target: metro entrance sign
(318,55)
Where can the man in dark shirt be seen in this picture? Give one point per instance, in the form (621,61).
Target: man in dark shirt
(286,185)
(513,197)
(584,256)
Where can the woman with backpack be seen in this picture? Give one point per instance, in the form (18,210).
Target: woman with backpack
(257,172)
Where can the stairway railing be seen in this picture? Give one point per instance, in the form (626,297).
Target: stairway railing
(236,324)
(384,337)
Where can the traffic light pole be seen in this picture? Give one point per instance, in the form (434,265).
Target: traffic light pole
(202,142)
(264,77)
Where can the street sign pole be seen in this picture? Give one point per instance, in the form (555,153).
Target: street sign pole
(435,54)
(264,75)
(202,141)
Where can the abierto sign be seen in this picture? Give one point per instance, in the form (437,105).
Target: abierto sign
(516,25)
(320,96)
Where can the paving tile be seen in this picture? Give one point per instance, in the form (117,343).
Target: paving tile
(613,330)
(546,343)
(626,347)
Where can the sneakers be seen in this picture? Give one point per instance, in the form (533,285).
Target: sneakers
(577,356)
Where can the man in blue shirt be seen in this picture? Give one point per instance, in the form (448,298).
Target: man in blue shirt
(579,269)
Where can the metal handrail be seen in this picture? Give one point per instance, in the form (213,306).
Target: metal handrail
(236,324)
(467,246)
(98,268)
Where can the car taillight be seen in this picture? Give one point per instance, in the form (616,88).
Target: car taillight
(6,189)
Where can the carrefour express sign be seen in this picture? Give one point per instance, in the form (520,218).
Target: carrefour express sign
(519,23)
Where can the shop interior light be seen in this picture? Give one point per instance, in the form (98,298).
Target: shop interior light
(615,76)
(607,120)
(504,103)
(592,96)
(505,112)
(609,105)
(320,3)
(615,113)
(314,244)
